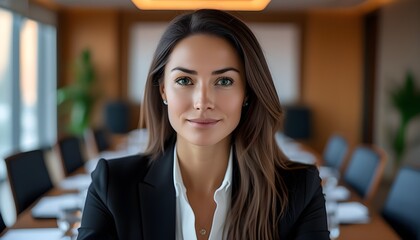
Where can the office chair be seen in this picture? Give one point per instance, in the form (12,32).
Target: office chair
(2,225)
(117,117)
(101,138)
(297,122)
(70,151)
(97,140)
(335,152)
(365,170)
(28,176)
(402,206)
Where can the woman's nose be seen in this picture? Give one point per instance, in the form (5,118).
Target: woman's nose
(203,98)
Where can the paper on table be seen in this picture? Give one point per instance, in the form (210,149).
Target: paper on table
(33,234)
(338,193)
(301,157)
(327,172)
(352,212)
(49,207)
(91,165)
(79,182)
(293,150)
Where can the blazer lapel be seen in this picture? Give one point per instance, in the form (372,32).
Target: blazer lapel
(157,199)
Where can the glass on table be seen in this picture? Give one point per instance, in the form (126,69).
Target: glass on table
(332,218)
(68,221)
(330,178)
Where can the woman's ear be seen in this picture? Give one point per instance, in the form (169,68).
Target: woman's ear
(245,103)
(162,91)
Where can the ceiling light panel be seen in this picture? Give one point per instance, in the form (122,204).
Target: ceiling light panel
(237,5)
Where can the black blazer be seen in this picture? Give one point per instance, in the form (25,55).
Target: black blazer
(134,198)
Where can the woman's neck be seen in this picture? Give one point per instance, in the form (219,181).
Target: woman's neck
(203,167)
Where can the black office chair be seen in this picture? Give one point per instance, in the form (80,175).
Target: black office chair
(365,170)
(335,152)
(402,206)
(2,225)
(70,151)
(102,141)
(117,117)
(97,140)
(297,122)
(28,176)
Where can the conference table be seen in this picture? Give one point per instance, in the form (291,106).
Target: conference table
(375,228)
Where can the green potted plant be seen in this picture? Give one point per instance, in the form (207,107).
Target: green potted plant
(77,99)
(406,99)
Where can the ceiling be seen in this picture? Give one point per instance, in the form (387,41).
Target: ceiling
(274,5)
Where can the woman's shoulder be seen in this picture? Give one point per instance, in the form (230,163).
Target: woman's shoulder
(305,213)
(298,177)
(125,167)
(129,162)
(300,169)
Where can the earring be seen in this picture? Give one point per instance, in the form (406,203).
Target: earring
(245,104)
(165,102)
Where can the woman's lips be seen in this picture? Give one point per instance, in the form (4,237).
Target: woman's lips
(203,122)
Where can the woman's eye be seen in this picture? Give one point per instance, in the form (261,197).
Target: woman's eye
(183,81)
(225,81)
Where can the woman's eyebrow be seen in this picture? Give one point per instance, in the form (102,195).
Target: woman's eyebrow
(184,70)
(217,72)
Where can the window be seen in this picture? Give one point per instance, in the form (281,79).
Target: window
(37,85)
(27,84)
(27,89)
(6,21)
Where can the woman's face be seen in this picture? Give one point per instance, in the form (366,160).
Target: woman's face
(204,86)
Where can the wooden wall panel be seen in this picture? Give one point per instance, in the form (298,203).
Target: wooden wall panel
(98,31)
(332,84)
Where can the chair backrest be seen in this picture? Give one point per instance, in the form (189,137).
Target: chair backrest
(117,117)
(365,170)
(71,153)
(97,140)
(28,176)
(2,225)
(402,206)
(101,139)
(335,151)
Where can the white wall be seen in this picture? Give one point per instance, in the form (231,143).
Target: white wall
(143,42)
(280,43)
(399,52)
(281,47)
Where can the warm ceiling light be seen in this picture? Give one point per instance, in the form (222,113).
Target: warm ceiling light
(237,5)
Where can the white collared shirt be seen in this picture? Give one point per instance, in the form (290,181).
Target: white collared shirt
(185,219)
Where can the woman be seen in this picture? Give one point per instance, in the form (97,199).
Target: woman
(212,169)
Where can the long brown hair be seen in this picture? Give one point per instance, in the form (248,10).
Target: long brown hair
(258,202)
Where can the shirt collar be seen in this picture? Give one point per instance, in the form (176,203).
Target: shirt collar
(179,184)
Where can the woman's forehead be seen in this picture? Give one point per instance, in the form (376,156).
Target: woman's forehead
(205,52)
